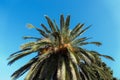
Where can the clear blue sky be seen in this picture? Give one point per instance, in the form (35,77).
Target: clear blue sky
(104,15)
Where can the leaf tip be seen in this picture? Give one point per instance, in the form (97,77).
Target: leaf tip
(30,26)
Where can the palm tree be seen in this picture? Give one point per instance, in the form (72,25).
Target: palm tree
(60,55)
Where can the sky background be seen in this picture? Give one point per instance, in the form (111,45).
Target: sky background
(104,15)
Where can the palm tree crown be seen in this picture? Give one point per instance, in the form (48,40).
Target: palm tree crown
(60,56)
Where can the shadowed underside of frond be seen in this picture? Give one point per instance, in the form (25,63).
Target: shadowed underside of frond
(59,55)
(65,65)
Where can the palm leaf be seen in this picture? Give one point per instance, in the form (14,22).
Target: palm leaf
(50,24)
(80,40)
(30,37)
(61,73)
(67,23)
(19,52)
(85,59)
(23,69)
(85,43)
(72,56)
(57,28)
(44,72)
(30,26)
(37,66)
(74,76)
(56,39)
(87,72)
(68,69)
(39,30)
(34,70)
(96,43)
(27,45)
(85,29)
(61,23)
(106,56)
(52,62)
(18,56)
(42,32)
(45,28)
(76,67)
(76,31)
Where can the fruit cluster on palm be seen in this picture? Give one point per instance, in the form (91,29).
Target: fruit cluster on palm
(60,56)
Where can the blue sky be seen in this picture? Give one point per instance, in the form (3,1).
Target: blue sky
(104,15)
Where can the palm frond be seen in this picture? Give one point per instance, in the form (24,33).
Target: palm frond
(61,23)
(88,72)
(96,43)
(72,56)
(23,69)
(30,26)
(87,54)
(76,31)
(80,32)
(34,70)
(52,27)
(68,68)
(30,37)
(74,76)
(80,40)
(76,68)
(19,52)
(37,66)
(54,63)
(85,29)
(57,28)
(18,56)
(45,28)
(27,45)
(85,43)
(42,32)
(55,38)
(85,59)
(61,73)
(106,56)
(65,27)
(100,72)
(39,30)
(67,23)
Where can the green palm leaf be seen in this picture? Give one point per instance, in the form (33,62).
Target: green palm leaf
(42,32)
(23,69)
(30,26)
(61,74)
(76,31)
(85,43)
(56,26)
(67,23)
(18,56)
(50,24)
(61,23)
(106,56)
(45,28)
(30,37)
